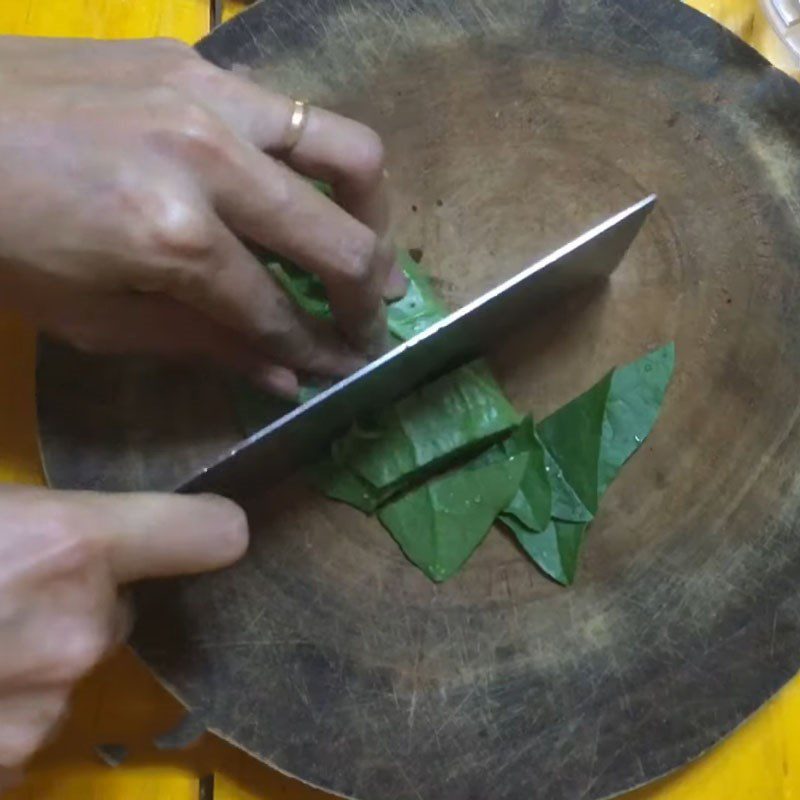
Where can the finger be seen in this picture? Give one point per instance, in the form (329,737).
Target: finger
(59,626)
(350,157)
(136,535)
(28,720)
(266,202)
(237,290)
(151,535)
(34,547)
(155,324)
(332,148)
(340,151)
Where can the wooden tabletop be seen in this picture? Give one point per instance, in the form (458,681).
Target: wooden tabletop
(121,702)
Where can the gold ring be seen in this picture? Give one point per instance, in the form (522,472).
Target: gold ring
(297,124)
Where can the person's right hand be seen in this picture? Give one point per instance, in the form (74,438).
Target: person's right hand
(130,175)
(63,556)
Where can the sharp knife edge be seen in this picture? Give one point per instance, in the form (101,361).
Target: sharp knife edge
(296,438)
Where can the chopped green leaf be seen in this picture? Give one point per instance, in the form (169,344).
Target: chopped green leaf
(572,437)
(439,525)
(587,441)
(340,483)
(566,505)
(634,400)
(305,289)
(545,482)
(555,549)
(532,502)
(419,308)
(428,430)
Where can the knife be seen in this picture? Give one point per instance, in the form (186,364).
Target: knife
(301,435)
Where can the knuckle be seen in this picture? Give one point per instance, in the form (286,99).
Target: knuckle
(181,127)
(279,194)
(283,331)
(161,217)
(158,101)
(173,228)
(358,258)
(190,70)
(277,334)
(186,281)
(196,132)
(61,532)
(283,312)
(81,650)
(300,349)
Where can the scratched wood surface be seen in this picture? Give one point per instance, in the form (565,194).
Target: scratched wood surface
(121,702)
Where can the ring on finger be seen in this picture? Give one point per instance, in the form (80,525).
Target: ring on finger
(297,124)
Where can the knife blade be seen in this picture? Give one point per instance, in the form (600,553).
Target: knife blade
(301,435)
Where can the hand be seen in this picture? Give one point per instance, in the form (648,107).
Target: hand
(130,173)
(63,556)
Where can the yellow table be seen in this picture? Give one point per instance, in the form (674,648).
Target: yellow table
(121,702)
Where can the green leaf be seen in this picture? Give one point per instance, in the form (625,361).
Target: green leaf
(428,430)
(323,187)
(550,478)
(305,393)
(566,505)
(439,525)
(587,442)
(532,502)
(419,308)
(554,550)
(305,289)
(572,436)
(634,400)
(376,450)
(340,483)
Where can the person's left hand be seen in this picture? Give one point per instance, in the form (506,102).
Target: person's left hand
(132,174)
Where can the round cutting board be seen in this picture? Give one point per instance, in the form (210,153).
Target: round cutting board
(510,127)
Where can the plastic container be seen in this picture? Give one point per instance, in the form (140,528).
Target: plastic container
(784,16)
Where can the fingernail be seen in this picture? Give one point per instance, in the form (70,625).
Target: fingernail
(396,284)
(226,531)
(278,381)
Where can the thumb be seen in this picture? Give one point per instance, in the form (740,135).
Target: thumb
(151,535)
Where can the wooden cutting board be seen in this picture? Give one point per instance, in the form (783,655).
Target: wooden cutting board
(510,127)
